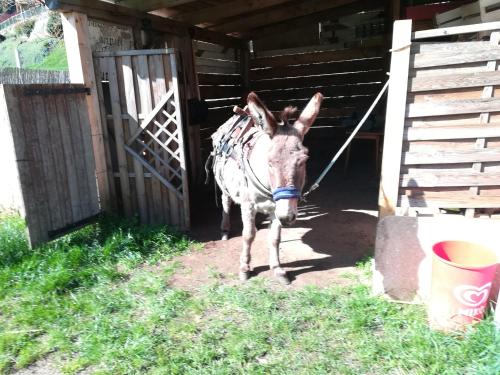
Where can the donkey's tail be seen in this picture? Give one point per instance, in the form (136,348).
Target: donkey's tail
(209,165)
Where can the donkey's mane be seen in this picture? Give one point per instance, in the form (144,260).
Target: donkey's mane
(288,113)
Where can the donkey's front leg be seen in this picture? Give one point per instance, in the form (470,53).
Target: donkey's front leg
(274,251)
(225,225)
(248,218)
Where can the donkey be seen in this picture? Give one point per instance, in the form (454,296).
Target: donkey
(263,170)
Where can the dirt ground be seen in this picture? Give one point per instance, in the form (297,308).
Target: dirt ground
(335,229)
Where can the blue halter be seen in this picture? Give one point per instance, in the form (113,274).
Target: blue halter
(286,193)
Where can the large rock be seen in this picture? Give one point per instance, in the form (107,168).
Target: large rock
(402,267)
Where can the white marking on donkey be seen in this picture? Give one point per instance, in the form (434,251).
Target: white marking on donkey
(262,169)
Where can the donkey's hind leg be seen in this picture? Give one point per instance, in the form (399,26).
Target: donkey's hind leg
(249,230)
(274,251)
(225,225)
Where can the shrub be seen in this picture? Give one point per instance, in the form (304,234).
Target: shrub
(25,28)
(54,25)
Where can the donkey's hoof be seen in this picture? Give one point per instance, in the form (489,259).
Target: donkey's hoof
(244,276)
(283,279)
(225,236)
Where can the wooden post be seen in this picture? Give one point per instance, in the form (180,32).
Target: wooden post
(394,121)
(18,58)
(395,9)
(190,90)
(245,68)
(81,70)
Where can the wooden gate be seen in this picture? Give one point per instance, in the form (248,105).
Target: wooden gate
(47,158)
(139,97)
(442,132)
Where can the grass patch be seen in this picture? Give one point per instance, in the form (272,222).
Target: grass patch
(43,53)
(86,293)
(7,57)
(88,300)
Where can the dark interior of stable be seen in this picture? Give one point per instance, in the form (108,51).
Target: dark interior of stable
(345,59)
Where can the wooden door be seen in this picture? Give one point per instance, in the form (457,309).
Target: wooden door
(139,96)
(48,150)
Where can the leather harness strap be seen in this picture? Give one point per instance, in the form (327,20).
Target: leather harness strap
(236,140)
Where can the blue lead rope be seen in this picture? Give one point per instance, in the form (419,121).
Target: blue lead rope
(315,185)
(286,193)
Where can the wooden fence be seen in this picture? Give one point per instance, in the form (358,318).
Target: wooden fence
(29,76)
(221,73)
(442,134)
(349,79)
(140,104)
(220,80)
(47,156)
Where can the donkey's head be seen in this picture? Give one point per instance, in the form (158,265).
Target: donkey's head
(286,157)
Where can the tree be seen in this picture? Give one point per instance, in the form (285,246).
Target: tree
(19,5)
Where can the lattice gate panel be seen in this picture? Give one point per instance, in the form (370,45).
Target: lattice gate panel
(141,105)
(156,145)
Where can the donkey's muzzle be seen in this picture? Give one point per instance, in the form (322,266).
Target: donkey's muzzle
(288,220)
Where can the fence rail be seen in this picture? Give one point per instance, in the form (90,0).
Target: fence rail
(22,16)
(30,76)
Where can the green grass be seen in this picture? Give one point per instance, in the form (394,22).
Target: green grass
(7,57)
(43,53)
(96,300)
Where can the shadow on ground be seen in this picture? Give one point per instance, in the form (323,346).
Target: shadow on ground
(335,230)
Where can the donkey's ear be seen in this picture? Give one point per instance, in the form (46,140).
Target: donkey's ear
(261,115)
(309,114)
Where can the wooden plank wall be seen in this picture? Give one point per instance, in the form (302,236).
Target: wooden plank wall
(51,134)
(451,137)
(349,79)
(131,84)
(11,199)
(221,77)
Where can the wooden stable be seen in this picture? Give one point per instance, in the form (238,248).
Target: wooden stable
(150,110)
(442,132)
(216,65)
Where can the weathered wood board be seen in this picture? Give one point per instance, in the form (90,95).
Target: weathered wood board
(349,79)
(449,135)
(50,138)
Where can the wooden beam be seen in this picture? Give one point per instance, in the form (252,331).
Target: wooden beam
(333,13)
(149,5)
(226,10)
(127,16)
(81,69)
(317,57)
(394,122)
(454,81)
(278,14)
(472,131)
(457,201)
(395,10)
(453,107)
(466,29)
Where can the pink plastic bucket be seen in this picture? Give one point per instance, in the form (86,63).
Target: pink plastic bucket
(462,274)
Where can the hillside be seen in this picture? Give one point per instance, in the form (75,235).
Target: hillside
(43,53)
(38,39)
